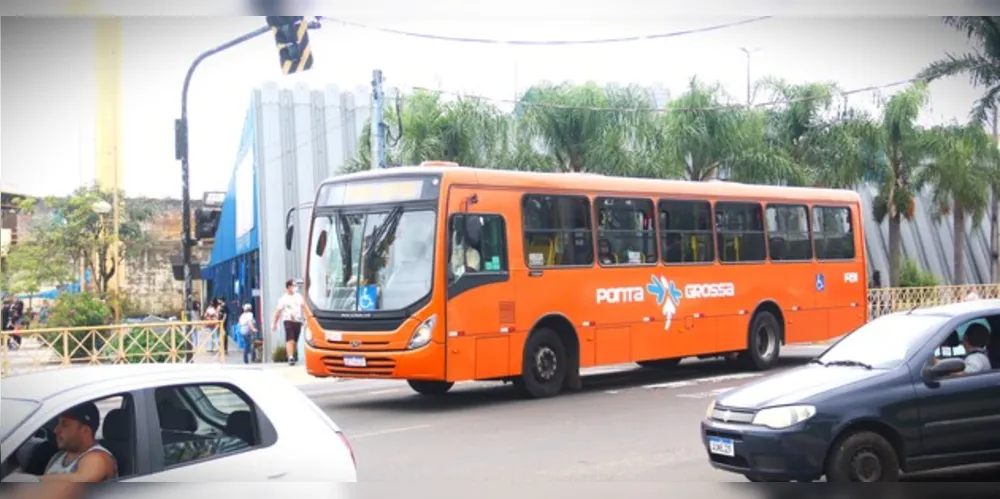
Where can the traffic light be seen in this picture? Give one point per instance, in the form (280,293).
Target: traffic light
(206,222)
(292,36)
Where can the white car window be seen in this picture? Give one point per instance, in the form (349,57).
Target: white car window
(199,422)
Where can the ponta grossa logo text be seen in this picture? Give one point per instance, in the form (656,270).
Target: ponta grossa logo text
(668,297)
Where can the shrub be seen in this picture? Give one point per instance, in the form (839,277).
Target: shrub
(279,354)
(79,310)
(912,276)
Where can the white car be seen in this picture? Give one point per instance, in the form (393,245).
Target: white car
(177,423)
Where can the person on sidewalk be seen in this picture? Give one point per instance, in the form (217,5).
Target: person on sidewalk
(289,311)
(211,314)
(248,333)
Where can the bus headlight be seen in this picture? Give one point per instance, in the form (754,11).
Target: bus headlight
(783,417)
(422,335)
(309,336)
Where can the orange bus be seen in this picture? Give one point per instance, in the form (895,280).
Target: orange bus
(438,273)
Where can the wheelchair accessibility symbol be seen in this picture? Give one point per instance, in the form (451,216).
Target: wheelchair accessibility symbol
(367,296)
(820,282)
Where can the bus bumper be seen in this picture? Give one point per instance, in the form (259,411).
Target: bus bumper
(427,363)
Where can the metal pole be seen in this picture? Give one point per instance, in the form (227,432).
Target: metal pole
(994,220)
(377,128)
(748,52)
(181,135)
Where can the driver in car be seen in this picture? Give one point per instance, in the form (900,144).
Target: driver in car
(975,341)
(80,457)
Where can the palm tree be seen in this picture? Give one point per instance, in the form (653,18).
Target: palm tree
(823,136)
(960,172)
(905,147)
(586,127)
(982,65)
(705,138)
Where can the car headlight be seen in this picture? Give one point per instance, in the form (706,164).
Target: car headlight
(783,417)
(422,335)
(711,408)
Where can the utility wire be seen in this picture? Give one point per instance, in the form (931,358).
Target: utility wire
(720,107)
(597,41)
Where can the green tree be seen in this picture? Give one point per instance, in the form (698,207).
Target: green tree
(704,138)
(586,128)
(32,266)
(959,172)
(905,146)
(981,65)
(76,232)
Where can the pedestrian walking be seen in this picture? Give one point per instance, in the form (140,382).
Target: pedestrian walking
(248,333)
(223,311)
(289,312)
(211,314)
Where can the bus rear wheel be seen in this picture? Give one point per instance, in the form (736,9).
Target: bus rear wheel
(544,365)
(763,343)
(430,388)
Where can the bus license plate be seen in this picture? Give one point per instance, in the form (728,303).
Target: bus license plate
(355,361)
(721,446)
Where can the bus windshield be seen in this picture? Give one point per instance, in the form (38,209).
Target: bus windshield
(371,261)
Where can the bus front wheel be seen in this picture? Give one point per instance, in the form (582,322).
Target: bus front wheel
(430,387)
(763,343)
(544,366)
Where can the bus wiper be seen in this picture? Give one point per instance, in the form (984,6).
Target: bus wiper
(380,235)
(849,363)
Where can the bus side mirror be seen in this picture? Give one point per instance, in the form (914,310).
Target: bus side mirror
(473,229)
(321,244)
(289,232)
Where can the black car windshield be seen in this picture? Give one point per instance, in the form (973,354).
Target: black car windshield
(373,261)
(884,343)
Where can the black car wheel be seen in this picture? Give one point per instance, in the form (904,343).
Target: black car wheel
(763,343)
(863,457)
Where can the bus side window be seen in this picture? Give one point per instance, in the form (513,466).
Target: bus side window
(788,232)
(626,233)
(488,254)
(557,231)
(740,232)
(686,232)
(833,233)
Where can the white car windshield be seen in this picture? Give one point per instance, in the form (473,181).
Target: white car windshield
(372,261)
(13,412)
(884,343)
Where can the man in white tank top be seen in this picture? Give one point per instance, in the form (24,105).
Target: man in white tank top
(80,457)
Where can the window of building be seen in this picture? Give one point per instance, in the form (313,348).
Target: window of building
(740,229)
(466,254)
(788,232)
(557,231)
(199,422)
(833,233)
(686,231)
(625,231)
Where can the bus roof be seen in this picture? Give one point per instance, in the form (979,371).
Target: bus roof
(593,182)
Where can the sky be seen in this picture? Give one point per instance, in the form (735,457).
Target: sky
(48,82)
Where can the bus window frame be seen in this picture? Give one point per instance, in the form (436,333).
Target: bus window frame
(524,239)
(711,213)
(468,281)
(809,228)
(715,228)
(854,234)
(597,231)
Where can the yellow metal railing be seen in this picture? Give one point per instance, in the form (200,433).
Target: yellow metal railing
(168,342)
(883,301)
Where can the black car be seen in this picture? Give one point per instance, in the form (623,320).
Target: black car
(887,399)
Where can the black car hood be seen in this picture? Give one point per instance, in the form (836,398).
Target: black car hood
(794,386)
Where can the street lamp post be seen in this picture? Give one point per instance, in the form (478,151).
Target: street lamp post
(181,152)
(749,52)
(102,208)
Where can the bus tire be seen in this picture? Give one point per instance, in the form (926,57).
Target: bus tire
(430,388)
(763,343)
(659,363)
(544,365)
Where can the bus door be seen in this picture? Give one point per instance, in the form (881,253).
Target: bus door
(840,279)
(480,293)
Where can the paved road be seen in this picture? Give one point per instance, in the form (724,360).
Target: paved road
(627,424)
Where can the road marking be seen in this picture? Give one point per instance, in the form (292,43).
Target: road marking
(388,431)
(699,381)
(385,391)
